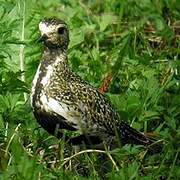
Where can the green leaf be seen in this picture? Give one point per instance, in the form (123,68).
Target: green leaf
(104,21)
(77,37)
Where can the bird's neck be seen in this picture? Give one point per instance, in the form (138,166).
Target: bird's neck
(54,56)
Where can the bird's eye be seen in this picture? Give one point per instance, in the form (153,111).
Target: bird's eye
(61,30)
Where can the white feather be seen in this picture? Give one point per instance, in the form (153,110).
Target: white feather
(45,80)
(34,82)
(46,29)
(63,110)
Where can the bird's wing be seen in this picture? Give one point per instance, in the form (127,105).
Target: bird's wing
(72,116)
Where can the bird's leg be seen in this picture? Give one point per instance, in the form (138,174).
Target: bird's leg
(94,141)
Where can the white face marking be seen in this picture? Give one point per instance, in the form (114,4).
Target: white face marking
(44,29)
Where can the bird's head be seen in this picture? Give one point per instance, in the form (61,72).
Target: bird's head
(54,33)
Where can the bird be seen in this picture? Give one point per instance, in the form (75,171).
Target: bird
(62,100)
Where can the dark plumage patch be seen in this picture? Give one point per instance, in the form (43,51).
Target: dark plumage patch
(52,123)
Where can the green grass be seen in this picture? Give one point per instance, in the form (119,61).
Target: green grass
(137,42)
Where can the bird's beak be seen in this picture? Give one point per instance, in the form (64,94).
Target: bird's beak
(43,38)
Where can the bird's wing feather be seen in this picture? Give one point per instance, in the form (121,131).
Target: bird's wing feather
(62,109)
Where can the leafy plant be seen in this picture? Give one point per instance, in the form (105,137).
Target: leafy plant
(128,48)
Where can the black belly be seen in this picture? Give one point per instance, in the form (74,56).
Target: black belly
(52,123)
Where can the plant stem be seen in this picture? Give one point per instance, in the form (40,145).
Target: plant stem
(21,50)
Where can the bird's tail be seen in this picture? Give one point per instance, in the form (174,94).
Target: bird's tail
(131,136)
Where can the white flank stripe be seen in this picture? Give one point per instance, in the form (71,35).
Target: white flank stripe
(34,83)
(36,77)
(63,110)
(45,79)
